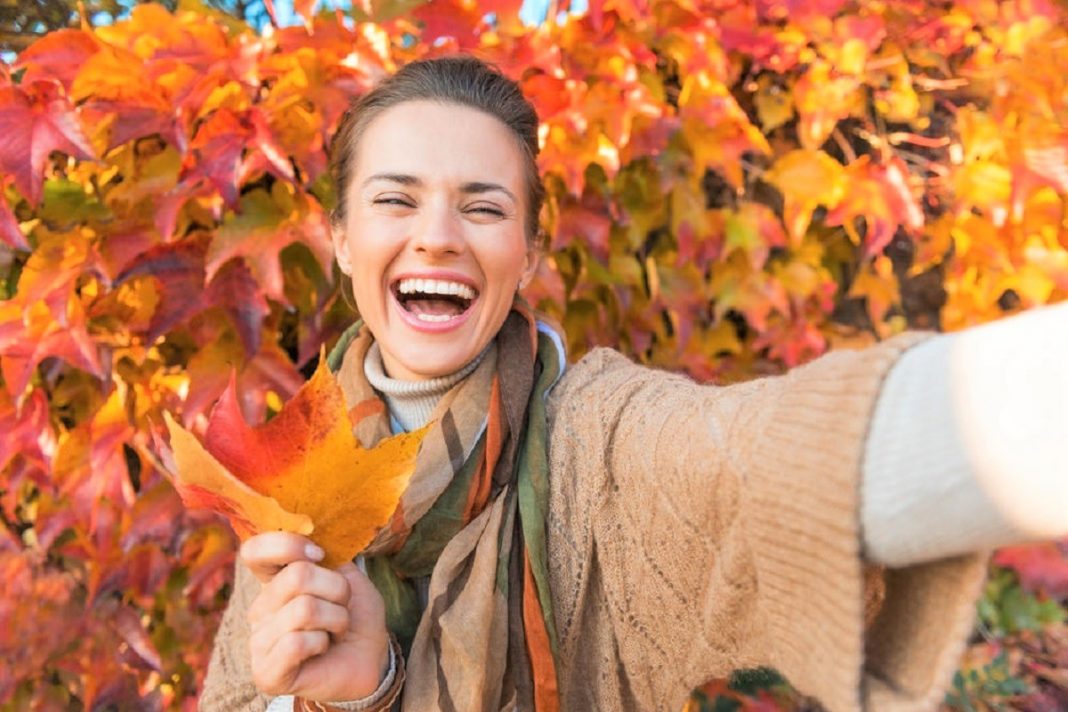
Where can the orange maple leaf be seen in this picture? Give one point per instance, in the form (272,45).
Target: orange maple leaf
(303,471)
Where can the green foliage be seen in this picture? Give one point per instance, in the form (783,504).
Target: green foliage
(1006,608)
(986,688)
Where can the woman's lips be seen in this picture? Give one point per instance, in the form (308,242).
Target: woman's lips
(431,324)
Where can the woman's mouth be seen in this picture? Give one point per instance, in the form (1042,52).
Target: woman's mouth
(433,304)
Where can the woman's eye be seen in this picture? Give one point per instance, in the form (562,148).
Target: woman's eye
(486,210)
(394,200)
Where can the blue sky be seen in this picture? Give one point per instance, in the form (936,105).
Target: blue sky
(532,12)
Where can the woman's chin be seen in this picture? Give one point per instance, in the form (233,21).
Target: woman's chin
(417,363)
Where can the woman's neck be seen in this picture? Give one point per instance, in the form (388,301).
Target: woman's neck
(411,403)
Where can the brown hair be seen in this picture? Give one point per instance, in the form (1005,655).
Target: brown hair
(458,79)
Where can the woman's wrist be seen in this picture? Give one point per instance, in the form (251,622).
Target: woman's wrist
(391,683)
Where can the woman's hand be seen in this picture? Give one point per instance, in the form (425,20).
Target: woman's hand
(315,633)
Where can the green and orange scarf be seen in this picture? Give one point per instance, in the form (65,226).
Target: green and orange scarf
(473,519)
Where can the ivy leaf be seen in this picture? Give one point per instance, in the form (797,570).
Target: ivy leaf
(877,284)
(264,224)
(807,179)
(57,55)
(178,269)
(302,471)
(34,122)
(881,196)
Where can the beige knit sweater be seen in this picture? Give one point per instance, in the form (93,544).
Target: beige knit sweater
(694,530)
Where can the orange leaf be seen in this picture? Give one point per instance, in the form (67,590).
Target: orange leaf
(806,179)
(307,462)
(203,482)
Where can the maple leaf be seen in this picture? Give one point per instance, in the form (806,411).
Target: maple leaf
(876,283)
(266,223)
(302,471)
(806,179)
(880,195)
(202,482)
(588,220)
(822,100)
(35,121)
(57,55)
(178,269)
(27,338)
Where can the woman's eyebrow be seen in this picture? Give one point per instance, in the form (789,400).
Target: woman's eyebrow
(480,187)
(472,187)
(399,178)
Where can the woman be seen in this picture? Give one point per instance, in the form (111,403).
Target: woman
(609,536)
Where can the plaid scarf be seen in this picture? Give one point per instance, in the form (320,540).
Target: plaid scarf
(472,518)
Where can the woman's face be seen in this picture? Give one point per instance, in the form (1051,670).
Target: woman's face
(433,236)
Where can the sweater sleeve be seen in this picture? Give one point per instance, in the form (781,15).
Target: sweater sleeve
(228,684)
(715,528)
(969,442)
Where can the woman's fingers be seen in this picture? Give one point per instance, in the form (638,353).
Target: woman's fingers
(299,578)
(306,613)
(280,644)
(268,553)
(275,672)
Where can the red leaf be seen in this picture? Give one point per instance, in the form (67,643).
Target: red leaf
(216,153)
(57,55)
(1041,567)
(881,195)
(451,18)
(128,625)
(179,269)
(588,222)
(269,154)
(24,344)
(10,232)
(32,125)
(27,431)
(234,289)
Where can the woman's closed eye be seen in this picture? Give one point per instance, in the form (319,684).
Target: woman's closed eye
(486,209)
(394,200)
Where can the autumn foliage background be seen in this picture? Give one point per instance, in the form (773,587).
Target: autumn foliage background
(735,187)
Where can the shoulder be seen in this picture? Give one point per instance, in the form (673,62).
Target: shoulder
(605,368)
(594,389)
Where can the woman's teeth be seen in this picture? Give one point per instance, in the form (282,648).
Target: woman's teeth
(437,318)
(435,286)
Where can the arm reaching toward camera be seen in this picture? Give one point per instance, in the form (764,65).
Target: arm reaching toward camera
(969,443)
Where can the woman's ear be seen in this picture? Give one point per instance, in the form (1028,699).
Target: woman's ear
(341,248)
(530,266)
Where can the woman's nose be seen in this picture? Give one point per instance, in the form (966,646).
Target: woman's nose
(439,231)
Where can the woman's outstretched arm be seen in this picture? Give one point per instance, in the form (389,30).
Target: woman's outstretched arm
(695,529)
(969,443)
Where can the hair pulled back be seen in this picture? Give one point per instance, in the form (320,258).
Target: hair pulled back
(458,79)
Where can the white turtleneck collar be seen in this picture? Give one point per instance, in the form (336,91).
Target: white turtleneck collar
(411,403)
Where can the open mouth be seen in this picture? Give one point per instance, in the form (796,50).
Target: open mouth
(434,300)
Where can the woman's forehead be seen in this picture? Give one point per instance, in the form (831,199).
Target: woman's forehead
(434,141)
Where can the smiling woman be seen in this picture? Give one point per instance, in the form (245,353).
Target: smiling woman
(434,234)
(605,536)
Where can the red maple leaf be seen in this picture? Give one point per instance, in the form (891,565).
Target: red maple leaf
(58,55)
(36,120)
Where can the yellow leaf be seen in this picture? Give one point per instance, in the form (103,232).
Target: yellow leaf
(806,179)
